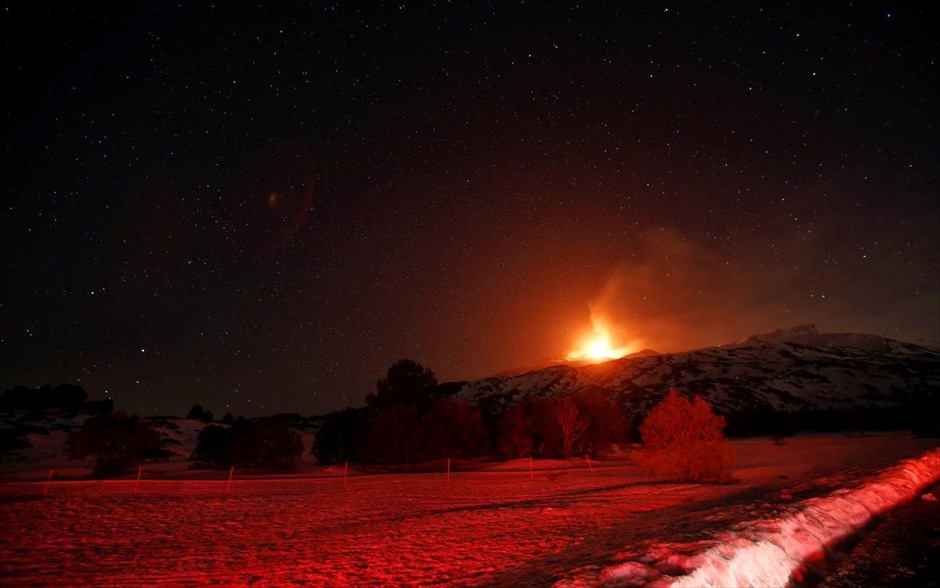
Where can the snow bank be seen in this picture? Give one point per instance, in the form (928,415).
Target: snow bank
(770,552)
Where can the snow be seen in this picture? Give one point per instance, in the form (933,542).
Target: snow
(499,525)
(787,370)
(768,553)
(810,335)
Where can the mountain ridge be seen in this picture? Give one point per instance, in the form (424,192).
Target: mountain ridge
(787,370)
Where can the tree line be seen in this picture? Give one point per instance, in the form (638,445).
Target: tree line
(410,418)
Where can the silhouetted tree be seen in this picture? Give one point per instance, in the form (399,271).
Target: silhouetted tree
(455,429)
(116,441)
(213,448)
(684,440)
(407,383)
(607,426)
(68,397)
(65,397)
(105,406)
(546,435)
(530,428)
(268,443)
(196,413)
(340,436)
(922,416)
(396,435)
(414,419)
(398,432)
(228,419)
(515,431)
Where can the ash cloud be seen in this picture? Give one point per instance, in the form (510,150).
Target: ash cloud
(677,293)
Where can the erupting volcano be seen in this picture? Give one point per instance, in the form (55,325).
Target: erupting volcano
(599,346)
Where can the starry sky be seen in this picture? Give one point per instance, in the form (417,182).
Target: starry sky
(260,209)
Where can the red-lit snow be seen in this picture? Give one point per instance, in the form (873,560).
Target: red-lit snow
(567,524)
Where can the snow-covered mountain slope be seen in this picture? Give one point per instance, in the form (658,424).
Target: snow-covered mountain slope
(784,371)
(810,335)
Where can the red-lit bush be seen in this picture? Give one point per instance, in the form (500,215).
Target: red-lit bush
(684,440)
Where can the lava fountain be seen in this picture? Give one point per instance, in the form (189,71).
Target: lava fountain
(598,346)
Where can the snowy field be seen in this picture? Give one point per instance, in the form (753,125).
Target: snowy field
(564,523)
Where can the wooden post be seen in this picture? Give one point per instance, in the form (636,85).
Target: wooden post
(140,470)
(45,490)
(448,469)
(345,473)
(530,467)
(231,472)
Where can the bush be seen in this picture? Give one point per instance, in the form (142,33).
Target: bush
(412,419)
(116,442)
(515,431)
(213,448)
(684,440)
(341,435)
(607,428)
(587,422)
(197,413)
(455,429)
(407,383)
(267,443)
(396,435)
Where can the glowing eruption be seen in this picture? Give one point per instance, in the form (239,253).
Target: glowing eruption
(598,346)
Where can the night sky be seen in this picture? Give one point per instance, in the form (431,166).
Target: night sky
(260,210)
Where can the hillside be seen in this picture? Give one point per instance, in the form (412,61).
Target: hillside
(787,371)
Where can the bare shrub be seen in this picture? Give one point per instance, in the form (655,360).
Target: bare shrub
(572,423)
(684,440)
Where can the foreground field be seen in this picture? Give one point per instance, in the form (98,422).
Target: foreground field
(562,523)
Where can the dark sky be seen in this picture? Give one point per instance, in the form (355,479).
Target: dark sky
(260,210)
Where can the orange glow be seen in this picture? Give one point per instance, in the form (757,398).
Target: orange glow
(598,346)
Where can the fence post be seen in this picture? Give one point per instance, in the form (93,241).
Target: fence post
(45,489)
